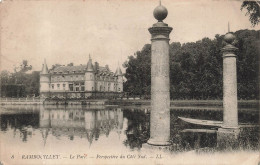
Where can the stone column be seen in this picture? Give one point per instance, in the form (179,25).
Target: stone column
(230,116)
(160,82)
(228,134)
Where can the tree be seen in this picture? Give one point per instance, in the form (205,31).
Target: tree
(253,10)
(4,77)
(196,68)
(20,83)
(24,67)
(138,72)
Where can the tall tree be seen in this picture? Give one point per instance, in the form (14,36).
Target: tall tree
(20,83)
(253,10)
(196,68)
(138,72)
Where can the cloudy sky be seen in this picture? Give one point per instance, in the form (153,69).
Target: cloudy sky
(64,31)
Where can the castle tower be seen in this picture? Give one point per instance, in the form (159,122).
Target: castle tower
(44,118)
(44,80)
(119,75)
(44,123)
(89,77)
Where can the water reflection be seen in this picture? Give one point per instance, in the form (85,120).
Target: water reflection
(84,123)
(112,127)
(137,131)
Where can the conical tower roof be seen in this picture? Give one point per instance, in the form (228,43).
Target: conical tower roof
(118,71)
(44,68)
(90,67)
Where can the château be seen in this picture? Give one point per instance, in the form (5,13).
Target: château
(82,81)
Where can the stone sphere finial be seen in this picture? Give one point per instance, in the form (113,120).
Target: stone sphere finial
(160,13)
(229,38)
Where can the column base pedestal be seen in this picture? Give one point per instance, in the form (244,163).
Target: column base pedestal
(153,145)
(150,147)
(158,143)
(227,138)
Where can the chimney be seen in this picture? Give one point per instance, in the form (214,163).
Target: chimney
(96,66)
(107,67)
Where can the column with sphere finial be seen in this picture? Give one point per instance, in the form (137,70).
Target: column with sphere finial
(229,131)
(160,82)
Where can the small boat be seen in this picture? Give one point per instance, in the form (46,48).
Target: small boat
(214,123)
(200,130)
(202,122)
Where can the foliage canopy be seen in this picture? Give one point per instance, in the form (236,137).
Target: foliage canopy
(196,68)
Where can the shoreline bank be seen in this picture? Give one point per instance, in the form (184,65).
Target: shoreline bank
(125,102)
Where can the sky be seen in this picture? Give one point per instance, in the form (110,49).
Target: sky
(65,31)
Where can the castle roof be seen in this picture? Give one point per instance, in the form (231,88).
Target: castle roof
(44,68)
(118,71)
(90,66)
(82,69)
(70,69)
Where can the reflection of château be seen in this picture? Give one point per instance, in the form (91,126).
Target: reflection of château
(82,123)
(80,81)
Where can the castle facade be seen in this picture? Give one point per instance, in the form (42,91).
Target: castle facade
(82,81)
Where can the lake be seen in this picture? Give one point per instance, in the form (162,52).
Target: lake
(29,132)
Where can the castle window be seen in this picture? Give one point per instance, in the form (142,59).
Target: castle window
(64,85)
(71,87)
(58,85)
(52,86)
(77,86)
(119,89)
(82,88)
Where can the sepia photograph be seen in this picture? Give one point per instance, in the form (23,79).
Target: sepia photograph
(129,82)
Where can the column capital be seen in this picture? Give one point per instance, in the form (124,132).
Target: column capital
(229,50)
(160,31)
